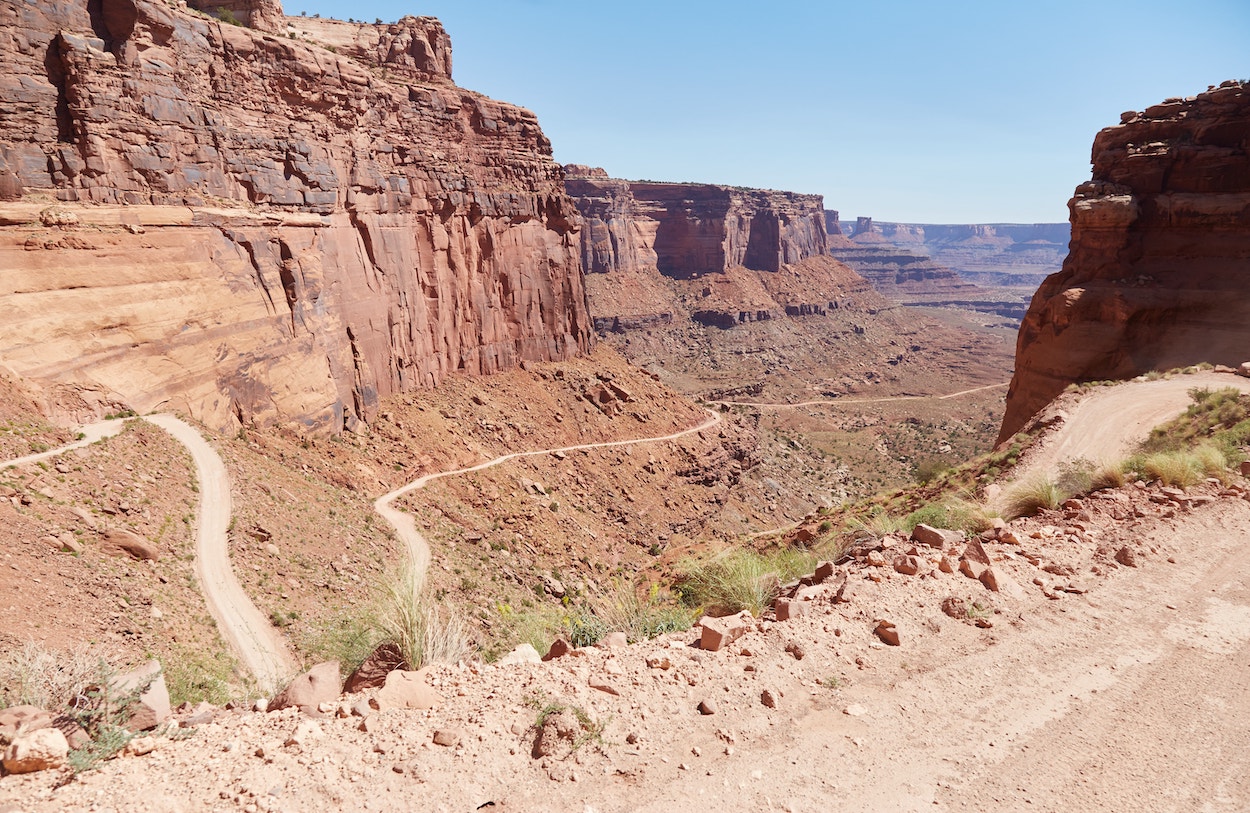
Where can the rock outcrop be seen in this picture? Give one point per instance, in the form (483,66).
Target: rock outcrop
(899,273)
(203,216)
(1160,255)
(656,253)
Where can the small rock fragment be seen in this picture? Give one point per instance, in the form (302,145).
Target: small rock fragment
(887,632)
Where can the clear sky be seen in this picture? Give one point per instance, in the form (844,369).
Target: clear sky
(913,111)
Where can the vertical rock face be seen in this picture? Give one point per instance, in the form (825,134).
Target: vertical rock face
(196,215)
(655,252)
(1159,266)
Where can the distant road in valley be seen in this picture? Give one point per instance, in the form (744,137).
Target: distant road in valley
(842,401)
(406,527)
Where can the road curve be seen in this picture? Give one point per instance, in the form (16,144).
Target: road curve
(249,633)
(1109,422)
(841,401)
(406,527)
(91,433)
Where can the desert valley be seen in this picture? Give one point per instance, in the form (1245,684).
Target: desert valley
(356,454)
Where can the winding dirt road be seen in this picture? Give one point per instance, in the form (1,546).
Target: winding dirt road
(841,401)
(1108,423)
(91,433)
(406,527)
(249,633)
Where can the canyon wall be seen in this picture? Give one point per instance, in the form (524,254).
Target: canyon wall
(1016,255)
(719,255)
(1159,266)
(266,227)
(899,273)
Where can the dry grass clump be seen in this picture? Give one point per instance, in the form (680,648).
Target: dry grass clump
(954,513)
(1179,469)
(736,579)
(622,609)
(1027,498)
(424,632)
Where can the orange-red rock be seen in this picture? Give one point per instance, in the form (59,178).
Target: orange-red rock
(1157,273)
(244,227)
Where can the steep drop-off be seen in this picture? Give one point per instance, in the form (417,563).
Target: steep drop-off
(266,227)
(1160,257)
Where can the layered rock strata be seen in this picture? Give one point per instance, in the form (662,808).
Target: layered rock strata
(200,215)
(994,255)
(898,273)
(656,252)
(1160,255)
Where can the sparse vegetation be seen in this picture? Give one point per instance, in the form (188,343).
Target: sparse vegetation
(424,632)
(621,609)
(737,579)
(955,513)
(37,676)
(1027,498)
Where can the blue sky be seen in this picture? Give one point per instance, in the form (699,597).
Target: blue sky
(928,112)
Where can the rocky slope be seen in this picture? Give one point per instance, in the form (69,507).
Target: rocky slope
(266,227)
(1156,277)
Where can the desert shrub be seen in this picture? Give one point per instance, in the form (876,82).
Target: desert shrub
(930,469)
(1106,475)
(954,513)
(737,579)
(1217,415)
(1211,460)
(622,609)
(37,676)
(347,639)
(424,631)
(192,676)
(1027,498)
(1180,469)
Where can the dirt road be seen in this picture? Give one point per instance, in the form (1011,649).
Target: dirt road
(847,401)
(1110,421)
(249,633)
(406,527)
(91,433)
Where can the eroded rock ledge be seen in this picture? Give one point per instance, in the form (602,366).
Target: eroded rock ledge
(1160,255)
(277,223)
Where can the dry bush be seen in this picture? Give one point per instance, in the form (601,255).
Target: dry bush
(424,631)
(36,676)
(1027,498)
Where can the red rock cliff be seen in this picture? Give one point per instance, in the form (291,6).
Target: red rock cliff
(669,248)
(1159,266)
(199,215)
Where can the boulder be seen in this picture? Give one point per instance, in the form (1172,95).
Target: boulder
(887,632)
(152,707)
(935,537)
(407,690)
(720,632)
(17,720)
(787,608)
(613,640)
(318,685)
(125,543)
(525,653)
(40,750)
(373,670)
(559,648)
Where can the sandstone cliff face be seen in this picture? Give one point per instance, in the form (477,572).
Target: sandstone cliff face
(257,228)
(660,245)
(1160,255)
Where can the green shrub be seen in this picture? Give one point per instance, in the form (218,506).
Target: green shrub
(953,513)
(1180,469)
(1027,498)
(736,580)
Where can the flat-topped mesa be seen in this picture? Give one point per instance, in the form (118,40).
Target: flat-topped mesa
(642,232)
(257,228)
(901,274)
(1159,266)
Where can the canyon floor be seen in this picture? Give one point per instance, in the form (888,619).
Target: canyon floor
(1080,683)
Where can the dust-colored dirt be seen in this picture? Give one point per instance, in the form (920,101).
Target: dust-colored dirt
(1106,423)
(1107,672)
